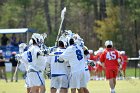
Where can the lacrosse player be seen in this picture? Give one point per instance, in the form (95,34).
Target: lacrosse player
(36,64)
(22,57)
(110,58)
(59,78)
(74,54)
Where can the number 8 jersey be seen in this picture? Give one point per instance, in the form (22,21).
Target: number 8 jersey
(75,56)
(110,58)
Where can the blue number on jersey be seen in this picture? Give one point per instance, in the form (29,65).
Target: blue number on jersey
(56,57)
(79,54)
(29,56)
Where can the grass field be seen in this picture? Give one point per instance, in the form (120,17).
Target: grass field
(123,86)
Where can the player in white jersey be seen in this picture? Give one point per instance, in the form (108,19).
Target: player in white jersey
(87,74)
(22,57)
(74,54)
(36,65)
(59,78)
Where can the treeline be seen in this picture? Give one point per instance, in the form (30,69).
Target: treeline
(94,20)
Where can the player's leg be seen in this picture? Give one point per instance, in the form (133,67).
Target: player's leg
(63,90)
(28,90)
(42,89)
(63,83)
(114,80)
(85,90)
(87,78)
(41,79)
(53,90)
(12,74)
(111,83)
(0,72)
(4,73)
(73,90)
(81,90)
(34,89)
(75,81)
(54,84)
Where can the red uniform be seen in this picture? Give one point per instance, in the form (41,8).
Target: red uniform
(91,58)
(124,62)
(99,67)
(110,58)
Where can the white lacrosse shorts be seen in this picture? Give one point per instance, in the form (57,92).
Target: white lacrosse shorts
(87,76)
(59,82)
(36,79)
(78,79)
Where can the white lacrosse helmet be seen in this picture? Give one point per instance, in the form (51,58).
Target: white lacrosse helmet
(90,51)
(68,32)
(63,39)
(108,42)
(122,52)
(22,46)
(44,35)
(95,52)
(78,40)
(38,38)
(101,50)
(30,42)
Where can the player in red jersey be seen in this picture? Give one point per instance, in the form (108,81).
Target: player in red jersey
(99,67)
(91,68)
(110,58)
(124,62)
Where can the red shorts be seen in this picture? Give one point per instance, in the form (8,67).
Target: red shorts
(99,68)
(124,66)
(91,68)
(111,73)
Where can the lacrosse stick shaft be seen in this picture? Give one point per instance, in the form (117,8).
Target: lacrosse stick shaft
(62,19)
(15,71)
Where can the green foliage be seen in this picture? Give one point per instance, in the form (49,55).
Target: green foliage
(109,27)
(9,15)
(82,17)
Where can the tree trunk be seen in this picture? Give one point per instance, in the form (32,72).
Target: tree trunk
(95,5)
(103,9)
(56,16)
(47,14)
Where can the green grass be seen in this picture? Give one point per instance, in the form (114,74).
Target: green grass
(123,86)
(130,72)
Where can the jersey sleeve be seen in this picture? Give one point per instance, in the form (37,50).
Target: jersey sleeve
(66,54)
(102,57)
(24,57)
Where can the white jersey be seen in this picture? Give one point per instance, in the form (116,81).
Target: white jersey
(35,62)
(24,60)
(86,61)
(74,54)
(57,67)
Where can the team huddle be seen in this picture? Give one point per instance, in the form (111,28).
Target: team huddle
(68,63)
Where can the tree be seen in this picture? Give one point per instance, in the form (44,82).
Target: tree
(47,14)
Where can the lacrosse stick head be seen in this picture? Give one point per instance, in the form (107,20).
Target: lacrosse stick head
(22,46)
(38,38)
(63,13)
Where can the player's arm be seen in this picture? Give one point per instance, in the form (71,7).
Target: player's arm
(102,59)
(65,55)
(2,60)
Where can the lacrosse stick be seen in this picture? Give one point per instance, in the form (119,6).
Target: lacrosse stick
(62,19)
(16,70)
